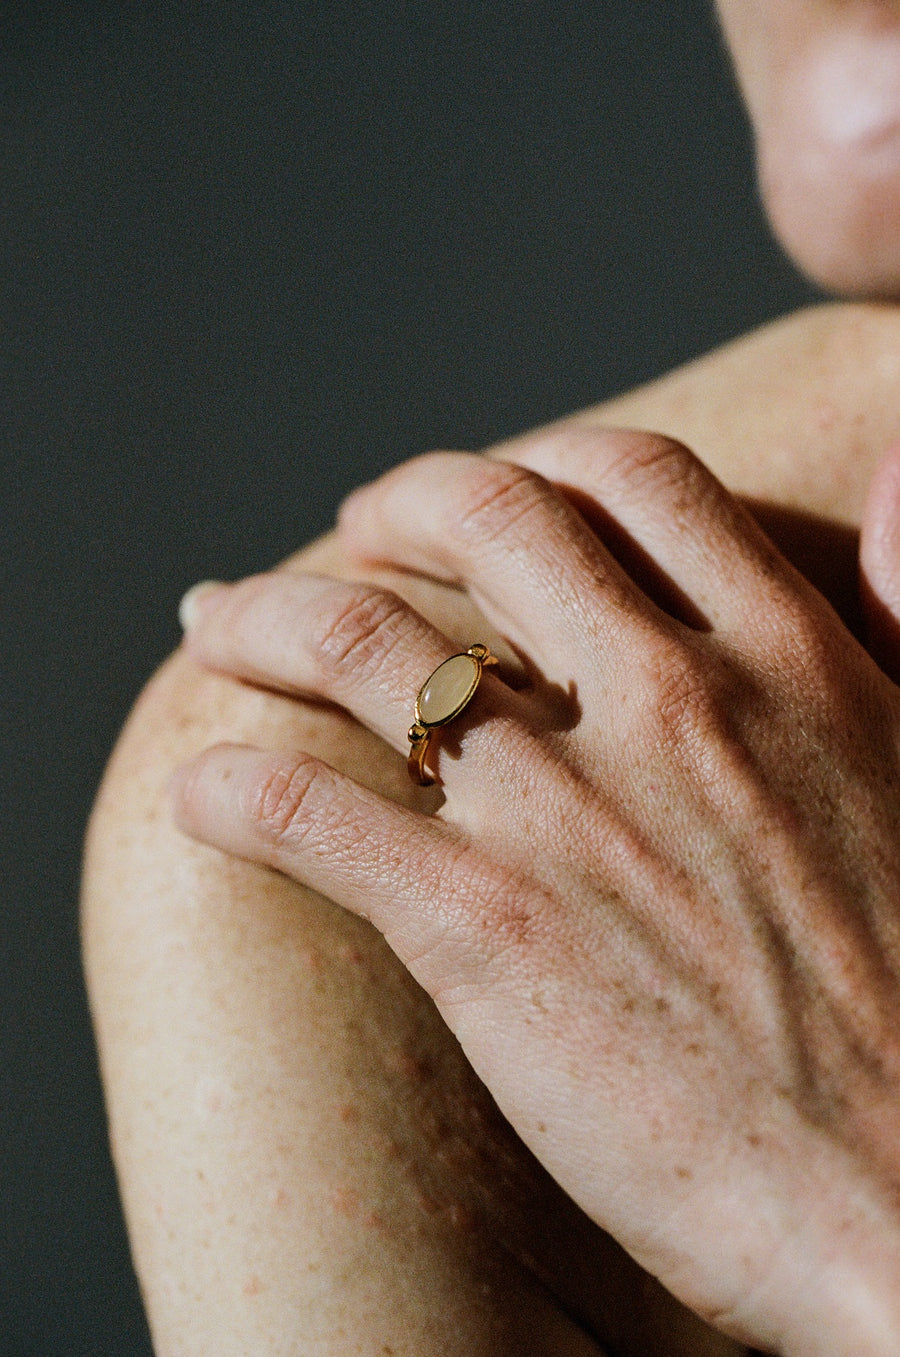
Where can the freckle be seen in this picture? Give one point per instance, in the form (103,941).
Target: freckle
(683,1173)
(754,1141)
(542,1128)
(345,1202)
(662,1005)
(409,1066)
(352,954)
(252,1286)
(349,1114)
(629,1005)
(226,776)
(826,415)
(374,1222)
(213,1093)
(281,1199)
(693,1048)
(382,1144)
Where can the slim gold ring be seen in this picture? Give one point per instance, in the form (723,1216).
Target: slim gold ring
(443,696)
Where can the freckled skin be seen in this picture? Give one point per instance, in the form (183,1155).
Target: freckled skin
(198,964)
(345,1201)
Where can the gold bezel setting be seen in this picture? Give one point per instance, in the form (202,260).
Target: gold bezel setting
(448,704)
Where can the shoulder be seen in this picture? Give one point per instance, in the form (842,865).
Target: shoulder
(797,413)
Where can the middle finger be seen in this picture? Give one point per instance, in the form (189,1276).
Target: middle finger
(529,559)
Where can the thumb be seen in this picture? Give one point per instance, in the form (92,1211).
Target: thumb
(879,558)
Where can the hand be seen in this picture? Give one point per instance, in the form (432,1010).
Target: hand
(659,903)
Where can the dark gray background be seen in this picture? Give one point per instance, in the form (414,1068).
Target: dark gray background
(251,254)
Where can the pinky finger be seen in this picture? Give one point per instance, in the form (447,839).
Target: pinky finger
(294,813)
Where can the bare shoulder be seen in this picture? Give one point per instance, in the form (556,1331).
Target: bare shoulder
(797,413)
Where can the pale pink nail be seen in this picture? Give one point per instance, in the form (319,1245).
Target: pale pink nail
(196,601)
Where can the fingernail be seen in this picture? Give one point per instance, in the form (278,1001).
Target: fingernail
(193,604)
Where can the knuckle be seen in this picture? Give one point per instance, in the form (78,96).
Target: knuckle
(685,698)
(806,658)
(280,803)
(355,628)
(653,453)
(661,466)
(493,497)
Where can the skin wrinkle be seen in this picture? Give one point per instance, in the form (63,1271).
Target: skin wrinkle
(350,633)
(498,500)
(617,478)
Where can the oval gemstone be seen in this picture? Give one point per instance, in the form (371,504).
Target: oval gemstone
(448,690)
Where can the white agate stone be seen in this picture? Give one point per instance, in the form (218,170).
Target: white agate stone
(448,690)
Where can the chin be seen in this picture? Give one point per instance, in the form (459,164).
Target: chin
(838,217)
(828,150)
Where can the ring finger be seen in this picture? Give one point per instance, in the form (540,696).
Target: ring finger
(353,644)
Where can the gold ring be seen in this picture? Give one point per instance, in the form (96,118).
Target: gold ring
(443,696)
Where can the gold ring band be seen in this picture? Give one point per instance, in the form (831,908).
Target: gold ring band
(444,695)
